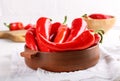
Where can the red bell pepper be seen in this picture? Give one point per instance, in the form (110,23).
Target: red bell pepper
(83,41)
(30,39)
(43,27)
(99,16)
(15,26)
(78,26)
(62,34)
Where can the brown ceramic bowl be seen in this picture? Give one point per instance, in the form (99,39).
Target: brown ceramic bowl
(104,24)
(62,61)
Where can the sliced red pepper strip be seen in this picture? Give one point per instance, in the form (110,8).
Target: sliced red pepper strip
(78,26)
(43,27)
(83,41)
(62,34)
(54,28)
(30,38)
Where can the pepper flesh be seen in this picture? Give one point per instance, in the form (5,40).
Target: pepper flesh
(83,41)
(54,29)
(78,26)
(30,38)
(43,27)
(62,34)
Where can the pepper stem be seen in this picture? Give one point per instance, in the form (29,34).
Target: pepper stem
(85,15)
(65,19)
(6,25)
(101,33)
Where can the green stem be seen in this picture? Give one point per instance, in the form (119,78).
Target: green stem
(6,25)
(101,33)
(65,19)
(85,15)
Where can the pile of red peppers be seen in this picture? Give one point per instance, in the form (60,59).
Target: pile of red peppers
(56,37)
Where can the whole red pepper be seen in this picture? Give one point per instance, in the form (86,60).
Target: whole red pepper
(30,39)
(62,34)
(99,16)
(15,26)
(83,41)
(43,27)
(78,26)
(54,30)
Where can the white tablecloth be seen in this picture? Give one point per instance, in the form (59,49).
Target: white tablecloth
(13,68)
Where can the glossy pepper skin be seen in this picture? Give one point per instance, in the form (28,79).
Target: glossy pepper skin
(28,26)
(15,26)
(30,39)
(43,27)
(78,27)
(99,16)
(83,41)
(62,34)
(97,38)
(59,31)
(54,29)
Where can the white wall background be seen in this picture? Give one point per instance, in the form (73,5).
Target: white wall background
(30,10)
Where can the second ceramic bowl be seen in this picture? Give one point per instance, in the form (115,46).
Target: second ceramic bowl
(98,24)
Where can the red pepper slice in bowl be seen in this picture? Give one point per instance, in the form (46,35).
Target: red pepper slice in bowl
(54,29)
(43,27)
(62,34)
(62,29)
(30,38)
(78,26)
(83,41)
